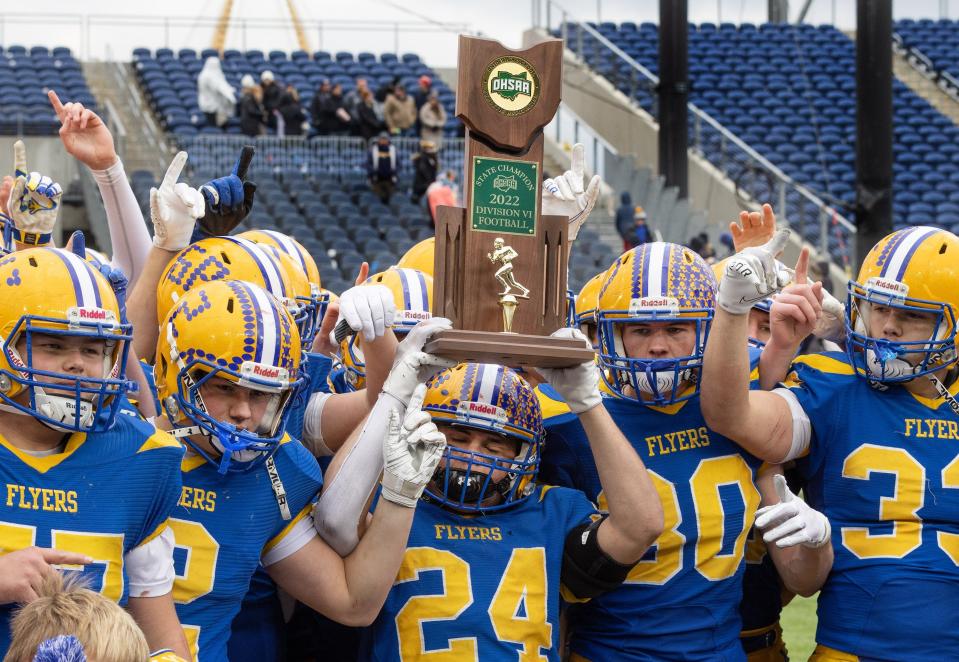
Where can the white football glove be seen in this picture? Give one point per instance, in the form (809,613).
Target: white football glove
(411,452)
(174,208)
(34,200)
(752,275)
(792,521)
(565,195)
(368,309)
(411,365)
(832,322)
(579,385)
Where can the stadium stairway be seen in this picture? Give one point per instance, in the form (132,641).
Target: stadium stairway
(143,145)
(923,85)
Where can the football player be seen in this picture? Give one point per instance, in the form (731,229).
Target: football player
(227,365)
(654,314)
(491,551)
(80,478)
(883,480)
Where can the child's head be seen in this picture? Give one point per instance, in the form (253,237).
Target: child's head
(106,632)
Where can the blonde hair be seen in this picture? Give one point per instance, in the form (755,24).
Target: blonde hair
(66,606)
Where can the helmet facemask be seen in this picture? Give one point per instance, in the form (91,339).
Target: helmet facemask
(470,488)
(240,450)
(64,401)
(891,361)
(664,380)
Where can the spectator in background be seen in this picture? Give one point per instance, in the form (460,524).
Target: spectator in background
(252,112)
(340,123)
(432,121)
(367,123)
(329,116)
(424,88)
(625,221)
(642,234)
(399,111)
(214,95)
(353,98)
(382,167)
(98,627)
(292,113)
(318,107)
(423,91)
(271,97)
(726,241)
(701,244)
(425,168)
(442,192)
(385,90)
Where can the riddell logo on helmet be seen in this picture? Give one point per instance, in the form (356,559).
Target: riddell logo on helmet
(251,370)
(482,409)
(893,288)
(654,304)
(78,314)
(263,371)
(416,315)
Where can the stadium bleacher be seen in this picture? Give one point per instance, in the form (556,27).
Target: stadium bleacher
(316,189)
(169,79)
(28,112)
(789,92)
(936,40)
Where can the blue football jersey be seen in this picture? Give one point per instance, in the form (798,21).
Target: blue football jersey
(337,382)
(480,588)
(681,601)
(255,627)
(104,495)
(223,525)
(883,465)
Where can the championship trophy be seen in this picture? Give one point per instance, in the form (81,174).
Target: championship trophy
(500,265)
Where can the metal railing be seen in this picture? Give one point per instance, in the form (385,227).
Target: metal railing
(757,180)
(340,156)
(567,129)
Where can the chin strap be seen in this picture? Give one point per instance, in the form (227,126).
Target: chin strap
(944,392)
(55,407)
(275,481)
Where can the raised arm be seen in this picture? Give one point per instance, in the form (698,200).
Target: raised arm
(357,466)
(352,590)
(174,209)
(635,510)
(86,138)
(759,421)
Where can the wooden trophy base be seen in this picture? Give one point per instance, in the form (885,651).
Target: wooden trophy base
(509,349)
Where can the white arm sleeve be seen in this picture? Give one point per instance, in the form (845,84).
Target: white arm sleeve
(802,428)
(150,566)
(343,501)
(291,542)
(128,231)
(312,428)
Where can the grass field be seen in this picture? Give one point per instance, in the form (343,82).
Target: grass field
(799,627)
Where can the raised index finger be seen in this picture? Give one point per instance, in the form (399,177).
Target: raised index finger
(802,267)
(243,163)
(173,172)
(578,165)
(55,102)
(20,157)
